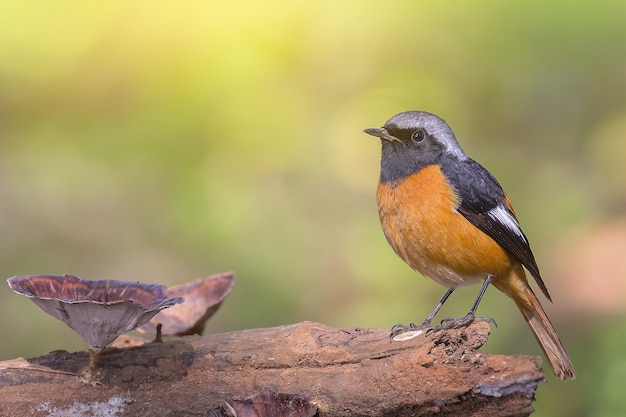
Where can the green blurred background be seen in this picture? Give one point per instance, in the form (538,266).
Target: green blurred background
(164,141)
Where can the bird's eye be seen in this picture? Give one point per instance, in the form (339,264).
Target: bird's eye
(418,136)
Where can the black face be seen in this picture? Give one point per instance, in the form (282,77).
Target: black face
(411,141)
(414,149)
(417,136)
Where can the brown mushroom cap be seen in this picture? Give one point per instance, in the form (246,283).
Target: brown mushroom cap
(203,298)
(98,311)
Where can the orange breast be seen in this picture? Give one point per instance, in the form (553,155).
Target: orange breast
(420,221)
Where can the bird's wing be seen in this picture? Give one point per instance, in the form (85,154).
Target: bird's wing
(484,204)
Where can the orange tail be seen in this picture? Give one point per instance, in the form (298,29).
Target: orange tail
(539,323)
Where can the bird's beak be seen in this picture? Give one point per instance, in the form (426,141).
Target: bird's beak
(381,132)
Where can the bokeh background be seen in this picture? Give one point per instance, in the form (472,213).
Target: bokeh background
(164,141)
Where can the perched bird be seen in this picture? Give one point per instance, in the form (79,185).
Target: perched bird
(448,218)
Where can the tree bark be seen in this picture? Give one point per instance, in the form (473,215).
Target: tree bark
(344,372)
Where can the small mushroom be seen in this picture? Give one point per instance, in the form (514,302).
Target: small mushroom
(203,298)
(98,311)
(271,404)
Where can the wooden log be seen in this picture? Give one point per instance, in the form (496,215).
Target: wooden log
(344,372)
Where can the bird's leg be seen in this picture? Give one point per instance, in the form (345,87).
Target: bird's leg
(448,323)
(400,328)
(431,316)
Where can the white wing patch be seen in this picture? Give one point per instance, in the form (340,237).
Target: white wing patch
(502,216)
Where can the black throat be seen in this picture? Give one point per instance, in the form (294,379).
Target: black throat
(399,160)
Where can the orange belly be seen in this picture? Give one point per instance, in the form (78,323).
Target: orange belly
(420,220)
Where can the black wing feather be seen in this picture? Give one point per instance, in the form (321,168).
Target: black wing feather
(479,193)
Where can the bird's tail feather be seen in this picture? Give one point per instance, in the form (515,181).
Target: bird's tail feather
(544,332)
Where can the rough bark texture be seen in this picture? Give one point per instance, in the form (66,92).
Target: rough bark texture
(345,372)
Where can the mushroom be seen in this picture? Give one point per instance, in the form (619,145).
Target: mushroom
(203,298)
(98,311)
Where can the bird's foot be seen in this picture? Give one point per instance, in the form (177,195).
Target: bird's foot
(409,331)
(449,323)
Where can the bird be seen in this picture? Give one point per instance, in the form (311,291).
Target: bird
(449,219)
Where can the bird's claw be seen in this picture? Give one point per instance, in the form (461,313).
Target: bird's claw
(449,323)
(400,328)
